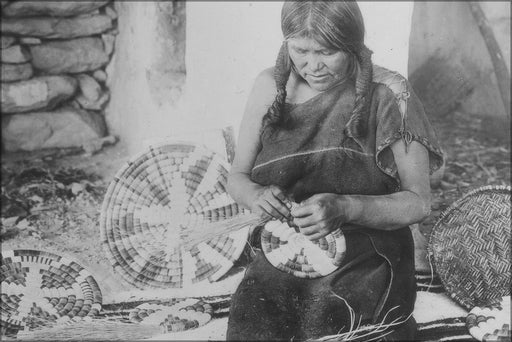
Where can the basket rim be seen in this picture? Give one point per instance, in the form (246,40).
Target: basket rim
(452,289)
(459,202)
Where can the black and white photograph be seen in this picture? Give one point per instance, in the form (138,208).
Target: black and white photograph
(182,170)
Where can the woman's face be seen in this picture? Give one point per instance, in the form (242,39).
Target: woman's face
(321,67)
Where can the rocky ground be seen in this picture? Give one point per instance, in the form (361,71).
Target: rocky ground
(51,200)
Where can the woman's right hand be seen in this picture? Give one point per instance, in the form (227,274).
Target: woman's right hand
(270,202)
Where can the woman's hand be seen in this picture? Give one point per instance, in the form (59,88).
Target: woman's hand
(319,215)
(271,202)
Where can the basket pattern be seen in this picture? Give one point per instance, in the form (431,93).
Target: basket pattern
(155,202)
(470,245)
(291,252)
(490,323)
(43,289)
(188,314)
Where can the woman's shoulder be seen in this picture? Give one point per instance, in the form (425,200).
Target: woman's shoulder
(262,95)
(266,78)
(393,80)
(264,87)
(382,92)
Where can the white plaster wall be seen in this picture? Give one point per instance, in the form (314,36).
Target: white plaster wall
(145,101)
(229,43)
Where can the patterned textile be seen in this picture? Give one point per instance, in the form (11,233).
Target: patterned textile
(452,325)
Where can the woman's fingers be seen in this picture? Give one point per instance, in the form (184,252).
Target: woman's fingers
(307,230)
(278,193)
(264,213)
(316,236)
(271,210)
(306,221)
(271,202)
(314,232)
(274,200)
(281,203)
(301,210)
(281,208)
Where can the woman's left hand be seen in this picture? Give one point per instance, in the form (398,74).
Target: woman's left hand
(319,215)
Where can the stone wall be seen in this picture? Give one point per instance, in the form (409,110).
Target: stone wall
(53,59)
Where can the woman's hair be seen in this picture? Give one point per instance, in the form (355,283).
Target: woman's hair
(337,25)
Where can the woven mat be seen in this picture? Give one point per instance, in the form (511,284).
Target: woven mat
(491,324)
(470,246)
(156,201)
(40,288)
(142,320)
(291,252)
(439,319)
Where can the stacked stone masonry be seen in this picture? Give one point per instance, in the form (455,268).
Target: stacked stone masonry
(53,79)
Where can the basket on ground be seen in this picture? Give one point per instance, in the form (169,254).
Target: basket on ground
(470,246)
(491,323)
(158,201)
(40,289)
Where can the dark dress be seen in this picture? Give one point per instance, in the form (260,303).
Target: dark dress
(310,155)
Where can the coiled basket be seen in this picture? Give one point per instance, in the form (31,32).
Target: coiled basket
(43,289)
(160,198)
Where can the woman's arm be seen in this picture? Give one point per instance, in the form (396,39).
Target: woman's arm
(266,201)
(322,213)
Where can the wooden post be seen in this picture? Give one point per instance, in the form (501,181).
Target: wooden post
(500,68)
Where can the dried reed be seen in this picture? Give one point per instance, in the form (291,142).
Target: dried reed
(96,330)
(370,332)
(209,231)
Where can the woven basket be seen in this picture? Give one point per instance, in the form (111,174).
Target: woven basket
(293,253)
(44,289)
(155,203)
(470,246)
(188,314)
(490,323)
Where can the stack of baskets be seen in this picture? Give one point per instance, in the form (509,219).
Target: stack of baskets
(157,201)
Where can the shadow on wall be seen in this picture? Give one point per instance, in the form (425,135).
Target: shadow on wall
(449,62)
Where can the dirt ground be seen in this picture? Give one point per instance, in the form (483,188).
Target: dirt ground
(51,199)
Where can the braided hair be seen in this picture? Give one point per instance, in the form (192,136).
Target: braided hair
(337,25)
(282,70)
(356,125)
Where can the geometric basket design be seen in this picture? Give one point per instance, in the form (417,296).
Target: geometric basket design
(155,203)
(470,246)
(44,289)
(291,252)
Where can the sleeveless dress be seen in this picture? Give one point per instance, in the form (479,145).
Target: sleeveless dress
(310,155)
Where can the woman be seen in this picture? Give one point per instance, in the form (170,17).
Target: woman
(319,132)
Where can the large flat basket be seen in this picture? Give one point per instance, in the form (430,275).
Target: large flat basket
(160,198)
(42,289)
(470,246)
